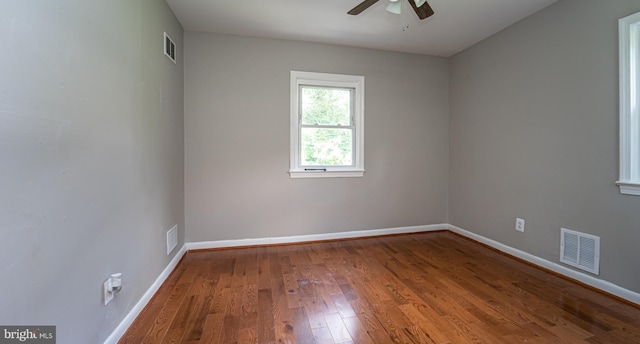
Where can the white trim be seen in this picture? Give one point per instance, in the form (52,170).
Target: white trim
(312,237)
(557,268)
(355,82)
(629,188)
(326,174)
(122,328)
(629,55)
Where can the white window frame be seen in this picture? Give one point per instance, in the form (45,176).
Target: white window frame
(296,170)
(629,41)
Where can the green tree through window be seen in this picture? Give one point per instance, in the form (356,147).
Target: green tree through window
(326,126)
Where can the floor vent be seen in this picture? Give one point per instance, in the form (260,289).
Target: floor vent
(172,239)
(580,250)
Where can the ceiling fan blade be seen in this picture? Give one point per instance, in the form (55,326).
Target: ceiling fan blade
(361,7)
(423,11)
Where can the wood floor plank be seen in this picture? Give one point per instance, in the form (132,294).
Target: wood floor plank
(343,306)
(166,315)
(322,335)
(219,295)
(338,330)
(357,331)
(140,327)
(434,327)
(315,314)
(247,336)
(265,322)
(282,316)
(414,288)
(249,307)
(301,327)
(365,313)
(196,322)
(212,328)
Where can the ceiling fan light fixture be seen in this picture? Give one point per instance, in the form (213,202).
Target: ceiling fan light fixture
(421,7)
(395,7)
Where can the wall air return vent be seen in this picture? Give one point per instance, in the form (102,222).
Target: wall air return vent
(580,250)
(169,48)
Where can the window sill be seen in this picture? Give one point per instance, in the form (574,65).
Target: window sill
(629,188)
(326,174)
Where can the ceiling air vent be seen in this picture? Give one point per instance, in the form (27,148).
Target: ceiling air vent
(169,48)
(580,250)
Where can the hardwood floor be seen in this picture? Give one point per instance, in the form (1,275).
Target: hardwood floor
(416,288)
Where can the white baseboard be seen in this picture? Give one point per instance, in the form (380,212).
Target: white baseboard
(562,270)
(135,311)
(313,237)
(555,267)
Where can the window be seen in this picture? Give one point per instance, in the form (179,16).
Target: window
(327,125)
(629,32)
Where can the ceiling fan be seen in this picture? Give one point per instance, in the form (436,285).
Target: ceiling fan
(421,7)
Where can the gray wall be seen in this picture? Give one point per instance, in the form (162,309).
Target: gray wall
(237,141)
(534,134)
(91,146)
(91,159)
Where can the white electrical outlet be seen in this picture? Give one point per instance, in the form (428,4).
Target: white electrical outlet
(519,224)
(107,295)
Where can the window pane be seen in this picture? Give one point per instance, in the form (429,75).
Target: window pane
(326,147)
(326,106)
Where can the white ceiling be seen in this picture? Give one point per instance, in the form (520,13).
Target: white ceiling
(456,24)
